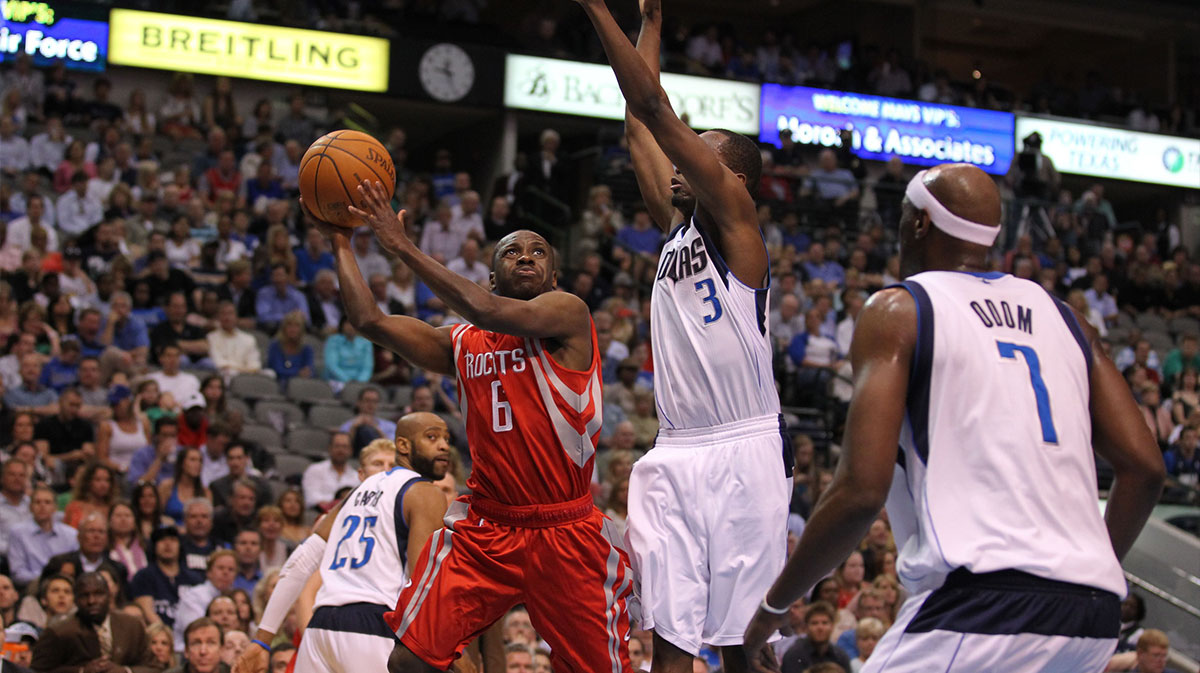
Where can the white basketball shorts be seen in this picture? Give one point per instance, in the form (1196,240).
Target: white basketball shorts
(707,528)
(1001,622)
(346,639)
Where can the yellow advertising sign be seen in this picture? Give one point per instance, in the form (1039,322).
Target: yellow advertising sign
(215,47)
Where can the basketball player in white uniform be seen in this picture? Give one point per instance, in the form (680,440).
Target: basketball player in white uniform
(996,394)
(361,550)
(708,505)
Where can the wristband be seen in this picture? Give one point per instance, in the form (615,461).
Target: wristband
(261,644)
(766,607)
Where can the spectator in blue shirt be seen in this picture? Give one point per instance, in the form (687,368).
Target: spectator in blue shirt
(30,395)
(827,270)
(832,186)
(155,462)
(1182,460)
(128,332)
(263,185)
(348,356)
(63,371)
(32,544)
(288,355)
(278,299)
(155,588)
(641,236)
(312,256)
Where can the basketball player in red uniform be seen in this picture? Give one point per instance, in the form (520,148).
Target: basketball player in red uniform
(528,371)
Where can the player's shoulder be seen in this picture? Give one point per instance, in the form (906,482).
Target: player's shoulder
(888,322)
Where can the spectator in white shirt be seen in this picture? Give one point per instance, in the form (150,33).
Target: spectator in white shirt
(47,149)
(786,321)
(440,240)
(467,219)
(322,480)
(705,49)
(106,178)
(21,229)
(14,150)
(76,211)
(467,263)
(853,300)
(1098,298)
(369,261)
(232,350)
(31,183)
(180,385)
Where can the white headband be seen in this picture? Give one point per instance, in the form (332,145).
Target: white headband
(943,219)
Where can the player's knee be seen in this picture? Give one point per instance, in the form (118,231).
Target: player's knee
(402,660)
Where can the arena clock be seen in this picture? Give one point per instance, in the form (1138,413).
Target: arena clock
(447,72)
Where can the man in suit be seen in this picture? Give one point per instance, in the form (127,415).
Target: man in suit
(94,640)
(91,555)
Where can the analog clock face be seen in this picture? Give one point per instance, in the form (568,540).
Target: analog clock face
(446,72)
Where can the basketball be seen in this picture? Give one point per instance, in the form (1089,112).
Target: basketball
(333,168)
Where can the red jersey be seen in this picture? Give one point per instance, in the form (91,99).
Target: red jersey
(532,424)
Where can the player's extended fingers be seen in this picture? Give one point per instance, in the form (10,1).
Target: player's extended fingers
(368,198)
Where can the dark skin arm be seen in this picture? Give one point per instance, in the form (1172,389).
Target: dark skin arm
(417,341)
(651,167)
(1121,437)
(559,316)
(721,192)
(424,508)
(884,338)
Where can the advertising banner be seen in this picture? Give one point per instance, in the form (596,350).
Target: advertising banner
(919,133)
(1106,152)
(49,34)
(590,90)
(215,47)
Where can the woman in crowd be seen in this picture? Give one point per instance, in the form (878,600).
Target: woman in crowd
(877,542)
(148,402)
(1155,413)
(119,438)
(124,541)
(291,506)
(275,549)
(890,591)
(288,355)
(160,645)
(213,389)
(849,576)
(263,591)
(73,162)
(184,485)
(348,356)
(9,597)
(8,312)
(867,633)
(120,203)
(138,118)
(220,110)
(1185,399)
(61,317)
(117,599)
(617,507)
(147,511)
(182,249)
(277,250)
(95,491)
(245,611)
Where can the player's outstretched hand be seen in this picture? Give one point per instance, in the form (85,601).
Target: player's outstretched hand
(329,231)
(254,659)
(650,7)
(761,655)
(377,212)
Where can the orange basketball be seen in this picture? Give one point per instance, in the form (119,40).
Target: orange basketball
(333,168)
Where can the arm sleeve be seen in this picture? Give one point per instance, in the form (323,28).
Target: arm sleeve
(295,573)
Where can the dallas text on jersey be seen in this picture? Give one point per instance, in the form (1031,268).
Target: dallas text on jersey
(680,263)
(992,315)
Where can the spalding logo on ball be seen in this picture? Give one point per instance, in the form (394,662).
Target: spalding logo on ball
(333,168)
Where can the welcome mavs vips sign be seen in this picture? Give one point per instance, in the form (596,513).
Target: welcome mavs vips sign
(591,90)
(215,47)
(925,134)
(1109,152)
(49,34)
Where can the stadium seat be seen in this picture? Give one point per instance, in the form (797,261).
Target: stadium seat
(330,417)
(278,487)
(290,466)
(1123,320)
(264,342)
(268,437)
(255,387)
(318,347)
(402,396)
(270,413)
(307,441)
(1117,335)
(353,389)
(237,404)
(309,391)
(1151,322)
(1184,325)
(1161,342)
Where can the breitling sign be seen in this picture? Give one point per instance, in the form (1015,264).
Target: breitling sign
(215,47)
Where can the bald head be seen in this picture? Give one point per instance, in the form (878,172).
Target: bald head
(423,444)
(966,191)
(411,427)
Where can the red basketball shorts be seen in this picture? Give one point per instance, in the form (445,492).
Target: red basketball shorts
(563,562)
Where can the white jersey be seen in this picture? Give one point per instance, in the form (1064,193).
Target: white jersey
(367,549)
(711,345)
(996,461)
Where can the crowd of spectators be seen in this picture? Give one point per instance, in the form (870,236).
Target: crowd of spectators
(165,316)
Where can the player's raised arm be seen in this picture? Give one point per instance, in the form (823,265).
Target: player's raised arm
(651,167)
(544,315)
(1121,436)
(721,192)
(884,338)
(417,341)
